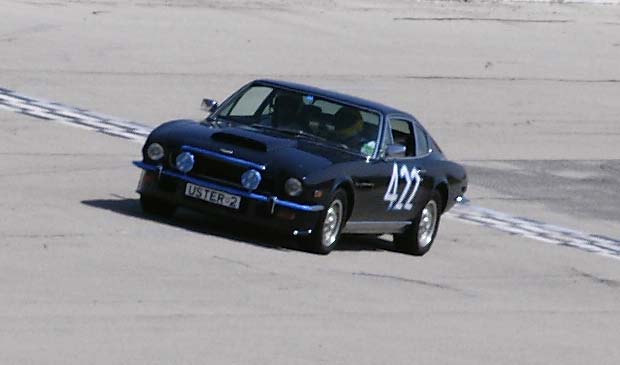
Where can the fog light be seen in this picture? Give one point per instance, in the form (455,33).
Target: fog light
(185,162)
(250,179)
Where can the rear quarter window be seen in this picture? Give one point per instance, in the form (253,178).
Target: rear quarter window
(422,142)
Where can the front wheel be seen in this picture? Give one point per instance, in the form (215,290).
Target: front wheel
(327,231)
(420,235)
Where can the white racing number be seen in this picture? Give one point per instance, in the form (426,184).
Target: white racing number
(405,198)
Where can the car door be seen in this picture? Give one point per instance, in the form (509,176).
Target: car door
(409,183)
(390,190)
(370,178)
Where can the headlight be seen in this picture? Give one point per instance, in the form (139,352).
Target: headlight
(155,151)
(185,162)
(293,187)
(250,179)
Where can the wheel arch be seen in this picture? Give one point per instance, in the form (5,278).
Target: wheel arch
(444,193)
(346,184)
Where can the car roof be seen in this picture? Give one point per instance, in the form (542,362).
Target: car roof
(328,94)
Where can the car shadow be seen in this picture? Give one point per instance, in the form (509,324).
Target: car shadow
(220,227)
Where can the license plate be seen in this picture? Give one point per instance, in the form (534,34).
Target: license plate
(213,196)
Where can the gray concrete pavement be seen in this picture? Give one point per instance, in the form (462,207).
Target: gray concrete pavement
(86,278)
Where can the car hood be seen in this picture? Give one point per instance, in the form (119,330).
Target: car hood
(298,156)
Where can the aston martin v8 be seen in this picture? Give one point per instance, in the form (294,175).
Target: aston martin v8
(305,161)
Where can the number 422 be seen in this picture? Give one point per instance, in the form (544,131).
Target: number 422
(397,201)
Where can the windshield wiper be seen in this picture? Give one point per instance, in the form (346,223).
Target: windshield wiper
(218,121)
(300,133)
(294,132)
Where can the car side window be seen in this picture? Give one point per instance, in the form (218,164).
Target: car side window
(422,145)
(402,133)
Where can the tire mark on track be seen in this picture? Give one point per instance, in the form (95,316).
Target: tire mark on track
(137,132)
(607,282)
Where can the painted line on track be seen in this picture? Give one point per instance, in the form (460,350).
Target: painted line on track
(137,132)
(536,230)
(76,117)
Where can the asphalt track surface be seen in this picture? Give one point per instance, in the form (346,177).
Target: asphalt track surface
(526,96)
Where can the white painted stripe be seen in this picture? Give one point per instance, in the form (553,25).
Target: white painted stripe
(536,230)
(76,117)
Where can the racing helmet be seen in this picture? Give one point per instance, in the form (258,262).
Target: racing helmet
(348,122)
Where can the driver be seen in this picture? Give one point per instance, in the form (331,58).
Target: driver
(349,128)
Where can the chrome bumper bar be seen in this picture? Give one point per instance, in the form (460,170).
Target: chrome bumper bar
(228,189)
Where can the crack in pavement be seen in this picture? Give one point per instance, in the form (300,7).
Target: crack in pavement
(60,171)
(232,261)
(67,154)
(471,19)
(337,76)
(43,235)
(245,265)
(510,79)
(406,280)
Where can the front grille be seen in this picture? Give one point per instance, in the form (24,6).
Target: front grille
(220,170)
(212,169)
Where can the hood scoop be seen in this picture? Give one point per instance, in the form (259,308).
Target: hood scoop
(241,141)
(251,140)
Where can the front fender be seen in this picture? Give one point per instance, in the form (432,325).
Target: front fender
(346,183)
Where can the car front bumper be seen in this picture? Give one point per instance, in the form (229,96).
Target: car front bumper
(269,211)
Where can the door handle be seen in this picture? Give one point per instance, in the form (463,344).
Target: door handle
(364,185)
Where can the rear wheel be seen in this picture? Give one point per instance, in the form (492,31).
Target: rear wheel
(420,235)
(327,231)
(154,206)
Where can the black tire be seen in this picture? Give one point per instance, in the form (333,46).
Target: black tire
(414,241)
(154,206)
(317,242)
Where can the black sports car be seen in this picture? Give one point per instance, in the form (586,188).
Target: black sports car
(305,161)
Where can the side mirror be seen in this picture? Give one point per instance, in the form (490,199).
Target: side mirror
(209,105)
(396,150)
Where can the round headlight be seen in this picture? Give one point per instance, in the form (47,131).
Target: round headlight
(293,187)
(250,179)
(155,151)
(185,162)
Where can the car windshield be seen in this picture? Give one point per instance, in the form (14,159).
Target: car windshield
(304,115)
